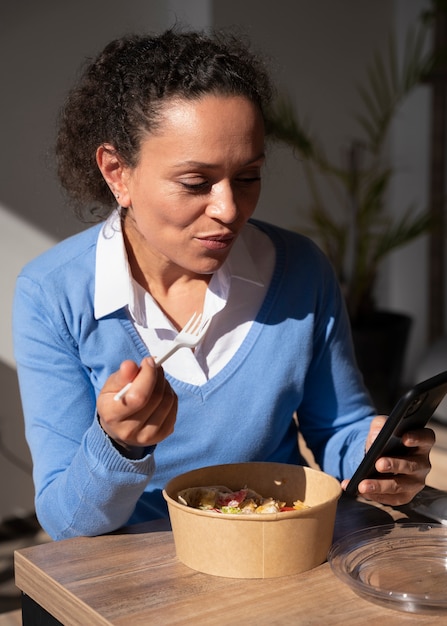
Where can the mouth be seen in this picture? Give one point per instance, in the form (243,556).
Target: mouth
(217,242)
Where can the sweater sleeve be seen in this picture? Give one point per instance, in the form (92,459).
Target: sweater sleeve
(336,410)
(83,485)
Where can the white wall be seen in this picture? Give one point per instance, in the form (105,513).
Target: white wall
(19,242)
(404,285)
(42,44)
(318,48)
(321,48)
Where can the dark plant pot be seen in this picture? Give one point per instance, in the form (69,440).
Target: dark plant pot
(380,343)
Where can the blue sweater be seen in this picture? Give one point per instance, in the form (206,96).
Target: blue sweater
(297,357)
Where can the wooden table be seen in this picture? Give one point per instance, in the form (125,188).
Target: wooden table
(132,578)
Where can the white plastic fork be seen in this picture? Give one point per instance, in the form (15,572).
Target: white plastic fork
(189,337)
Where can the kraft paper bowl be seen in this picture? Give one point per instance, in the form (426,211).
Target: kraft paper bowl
(255,546)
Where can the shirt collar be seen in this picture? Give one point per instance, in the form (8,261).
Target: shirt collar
(112,276)
(241,263)
(114,284)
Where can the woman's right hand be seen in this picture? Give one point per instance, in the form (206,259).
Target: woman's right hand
(146,414)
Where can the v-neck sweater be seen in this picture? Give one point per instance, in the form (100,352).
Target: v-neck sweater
(297,359)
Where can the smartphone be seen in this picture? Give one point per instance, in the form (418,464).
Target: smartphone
(412,411)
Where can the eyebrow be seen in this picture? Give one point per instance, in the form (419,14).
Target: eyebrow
(202,164)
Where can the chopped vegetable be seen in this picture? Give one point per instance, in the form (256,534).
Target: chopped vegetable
(223,500)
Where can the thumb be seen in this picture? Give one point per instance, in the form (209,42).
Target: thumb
(374,429)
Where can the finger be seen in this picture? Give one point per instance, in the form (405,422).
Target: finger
(395,490)
(422,439)
(107,411)
(153,421)
(417,461)
(418,466)
(126,373)
(124,388)
(374,429)
(401,479)
(142,387)
(160,424)
(161,393)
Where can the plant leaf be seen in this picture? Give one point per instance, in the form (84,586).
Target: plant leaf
(387,84)
(401,232)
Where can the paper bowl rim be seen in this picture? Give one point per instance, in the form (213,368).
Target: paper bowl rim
(265,517)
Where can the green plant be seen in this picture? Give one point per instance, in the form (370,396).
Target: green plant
(362,231)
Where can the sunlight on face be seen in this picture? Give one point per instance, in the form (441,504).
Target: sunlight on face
(197,182)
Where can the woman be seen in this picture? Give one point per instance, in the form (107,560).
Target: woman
(167,135)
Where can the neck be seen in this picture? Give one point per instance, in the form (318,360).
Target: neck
(178,293)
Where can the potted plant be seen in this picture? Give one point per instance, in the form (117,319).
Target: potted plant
(349,214)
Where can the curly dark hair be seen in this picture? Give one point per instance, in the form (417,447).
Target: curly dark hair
(120,94)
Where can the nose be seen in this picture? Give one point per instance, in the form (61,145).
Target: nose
(222,203)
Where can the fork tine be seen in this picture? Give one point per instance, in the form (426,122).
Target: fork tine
(203,326)
(191,323)
(193,327)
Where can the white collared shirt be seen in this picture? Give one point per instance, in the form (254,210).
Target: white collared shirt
(233,298)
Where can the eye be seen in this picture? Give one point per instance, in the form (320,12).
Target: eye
(196,188)
(195,184)
(248,179)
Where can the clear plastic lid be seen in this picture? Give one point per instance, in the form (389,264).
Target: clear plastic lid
(402,566)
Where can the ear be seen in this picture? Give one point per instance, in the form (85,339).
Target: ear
(114,172)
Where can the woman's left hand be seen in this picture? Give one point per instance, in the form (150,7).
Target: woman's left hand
(403,477)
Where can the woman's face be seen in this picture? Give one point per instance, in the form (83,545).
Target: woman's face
(196,184)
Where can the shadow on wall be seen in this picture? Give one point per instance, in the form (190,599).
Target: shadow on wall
(16,485)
